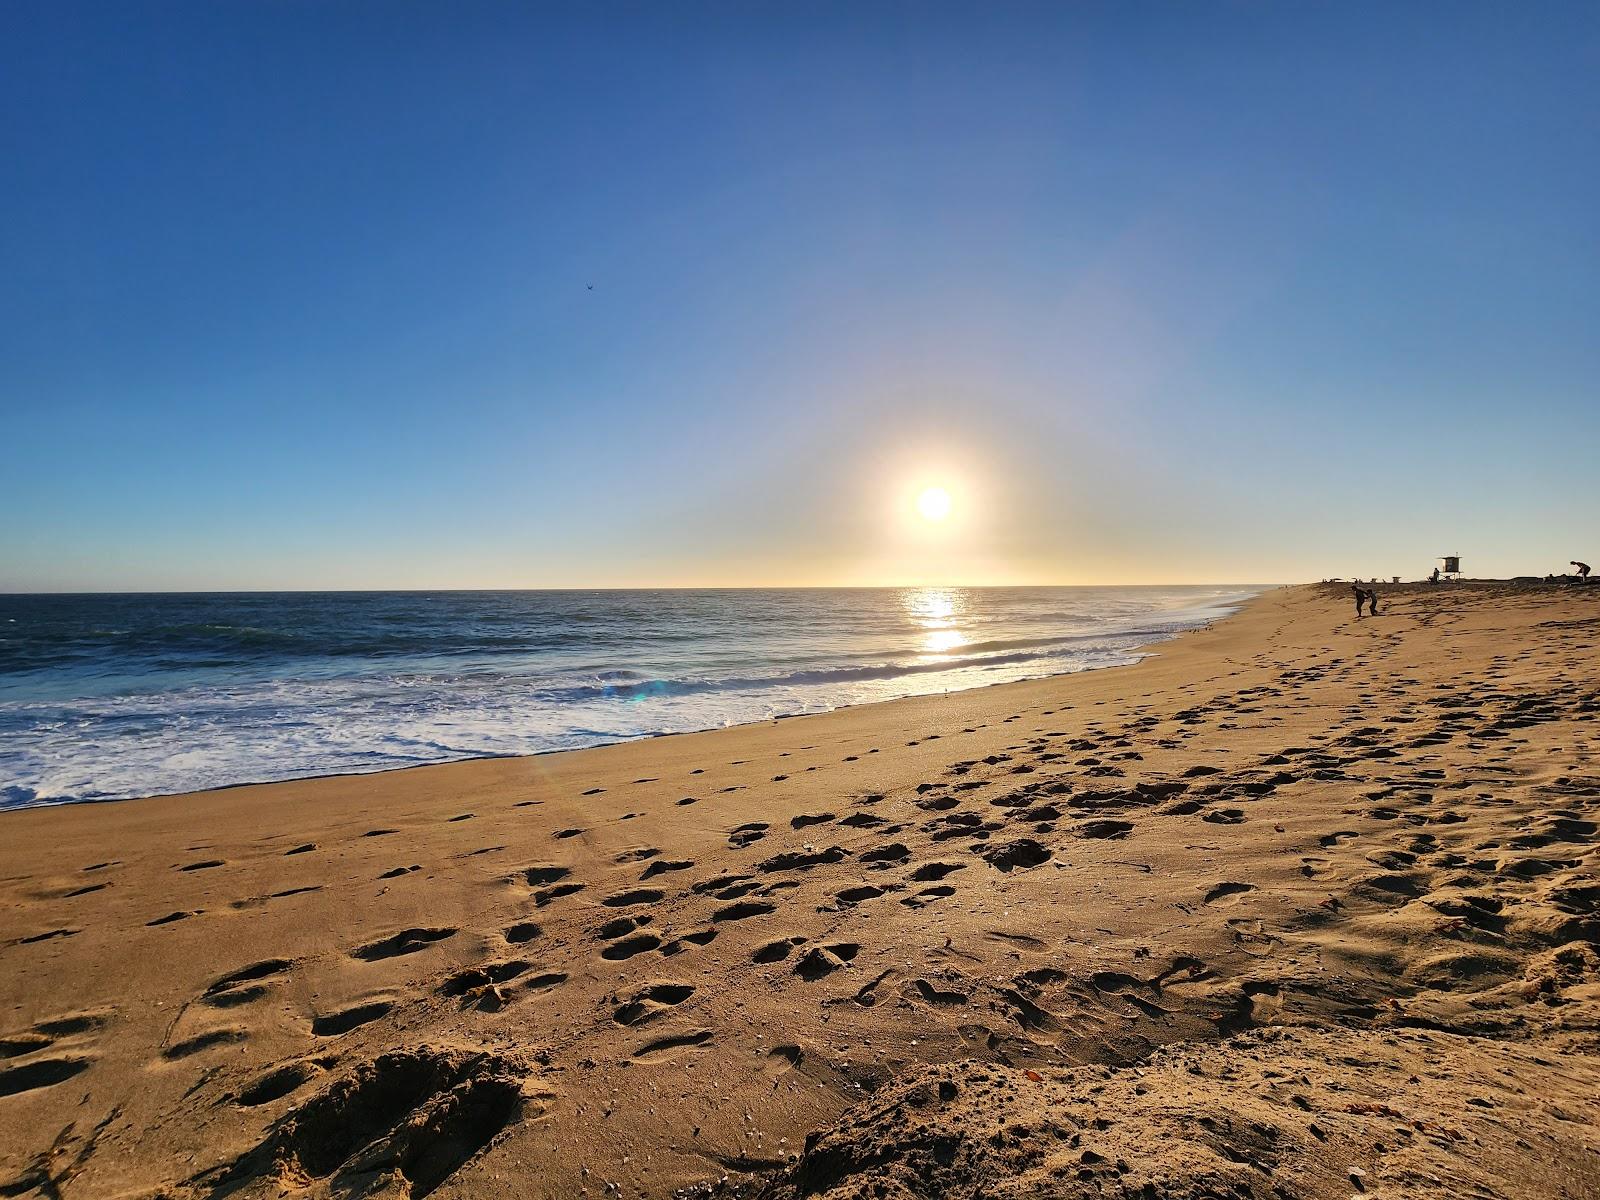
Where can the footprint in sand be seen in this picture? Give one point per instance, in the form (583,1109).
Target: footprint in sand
(180,915)
(619,926)
(279,1082)
(700,937)
(486,975)
(1227,893)
(343,1021)
(743,910)
(1028,1014)
(545,895)
(862,821)
(244,985)
(258,901)
(664,866)
(671,1047)
(650,1002)
(1023,854)
(782,1059)
(407,941)
(867,995)
(627,947)
(205,1041)
(44,1035)
(943,998)
(635,896)
(893,852)
(928,895)
(1311,866)
(726,887)
(855,895)
(41,1073)
(825,960)
(777,951)
(795,860)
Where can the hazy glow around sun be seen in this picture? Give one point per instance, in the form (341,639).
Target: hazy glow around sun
(934,504)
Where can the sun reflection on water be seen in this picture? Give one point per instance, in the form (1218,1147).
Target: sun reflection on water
(942,641)
(939,613)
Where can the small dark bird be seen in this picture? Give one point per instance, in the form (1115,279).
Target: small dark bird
(591,287)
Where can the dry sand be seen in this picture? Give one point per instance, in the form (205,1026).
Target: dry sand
(1302,906)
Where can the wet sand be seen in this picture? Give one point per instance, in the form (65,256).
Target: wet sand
(1299,906)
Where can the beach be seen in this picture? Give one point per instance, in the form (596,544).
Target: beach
(1299,905)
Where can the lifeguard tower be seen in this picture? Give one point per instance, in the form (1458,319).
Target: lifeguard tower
(1451,565)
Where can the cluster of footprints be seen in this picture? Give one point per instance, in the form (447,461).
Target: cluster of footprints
(49,1052)
(1441,829)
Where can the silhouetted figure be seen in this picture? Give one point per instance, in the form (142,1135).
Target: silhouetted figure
(1583,569)
(1361,598)
(1434,578)
(1372,601)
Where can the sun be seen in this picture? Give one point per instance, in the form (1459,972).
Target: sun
(934,504)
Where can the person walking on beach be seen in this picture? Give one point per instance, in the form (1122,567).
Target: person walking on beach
(1361,597)
(1583,569)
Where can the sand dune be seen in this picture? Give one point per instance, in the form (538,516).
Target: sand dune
(1301,906)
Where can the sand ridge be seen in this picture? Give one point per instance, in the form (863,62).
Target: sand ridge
(1287,841)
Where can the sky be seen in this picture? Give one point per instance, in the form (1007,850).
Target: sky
(419,295)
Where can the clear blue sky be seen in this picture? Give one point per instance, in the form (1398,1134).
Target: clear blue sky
(298,294)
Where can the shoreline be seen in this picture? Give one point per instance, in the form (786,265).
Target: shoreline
(1116,915)
(1138,653)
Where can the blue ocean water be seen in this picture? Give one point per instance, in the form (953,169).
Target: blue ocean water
(111,696)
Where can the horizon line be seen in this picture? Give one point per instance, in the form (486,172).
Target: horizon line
(749,587)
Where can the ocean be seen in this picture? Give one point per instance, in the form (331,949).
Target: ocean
(113,696)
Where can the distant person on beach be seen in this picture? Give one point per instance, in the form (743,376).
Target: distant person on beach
(1361,597)
(1583,569)
(1434,578)
(1372,601)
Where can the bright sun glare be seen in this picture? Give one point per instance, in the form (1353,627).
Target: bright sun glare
(934,504)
